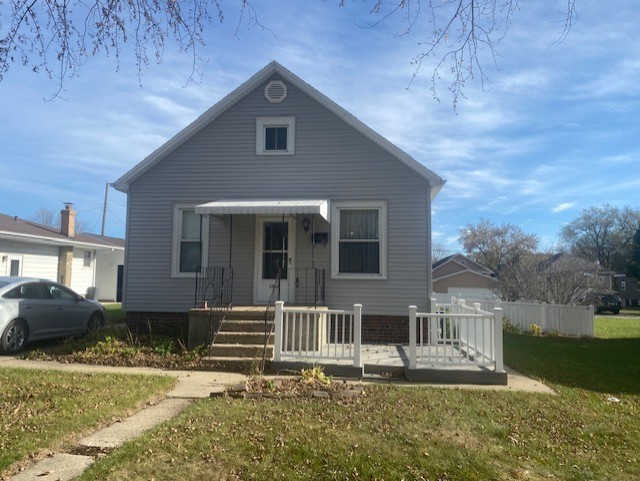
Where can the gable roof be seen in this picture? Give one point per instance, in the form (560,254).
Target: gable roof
(466,264)
(122,184)
(14,228)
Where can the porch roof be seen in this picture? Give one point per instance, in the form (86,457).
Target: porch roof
(266,207)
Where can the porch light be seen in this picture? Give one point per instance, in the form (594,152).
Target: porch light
(305,224)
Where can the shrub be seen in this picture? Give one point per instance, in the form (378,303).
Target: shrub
(315,375)
(508,327)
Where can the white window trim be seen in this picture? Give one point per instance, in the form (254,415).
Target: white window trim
(336,207)
(177,234)
(263,122)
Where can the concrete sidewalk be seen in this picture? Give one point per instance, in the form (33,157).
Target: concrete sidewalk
(69,465)
(191,385)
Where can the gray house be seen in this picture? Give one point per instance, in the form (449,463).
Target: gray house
(627,288)
(278,182)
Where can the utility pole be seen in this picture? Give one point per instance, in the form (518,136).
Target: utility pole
(104,207)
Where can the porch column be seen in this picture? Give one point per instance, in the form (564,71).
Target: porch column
(497,339)
(313,242)
(277,347)
(230,237)
(412,336)
(357,335)
(65,265)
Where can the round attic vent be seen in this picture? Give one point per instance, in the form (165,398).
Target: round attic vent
(275,91)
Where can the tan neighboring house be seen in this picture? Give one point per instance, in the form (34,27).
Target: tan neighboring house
(459,275)
(87,263)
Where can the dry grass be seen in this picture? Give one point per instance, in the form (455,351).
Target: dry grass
(43,410)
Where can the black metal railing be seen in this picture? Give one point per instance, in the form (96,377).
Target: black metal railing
(309,287)
(268,317)
(214,286)
(214,289)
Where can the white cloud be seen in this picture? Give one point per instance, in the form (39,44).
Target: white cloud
(562,207)
(452,240)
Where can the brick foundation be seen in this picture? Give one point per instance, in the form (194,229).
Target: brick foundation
(383,329)
(174,324)
(375,329)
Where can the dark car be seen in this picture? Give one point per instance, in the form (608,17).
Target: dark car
(32,309)
(604,302)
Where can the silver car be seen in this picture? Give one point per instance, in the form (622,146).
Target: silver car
(32,309)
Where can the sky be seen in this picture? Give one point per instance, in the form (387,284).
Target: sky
(553,131)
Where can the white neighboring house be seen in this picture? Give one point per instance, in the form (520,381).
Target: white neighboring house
(87,263)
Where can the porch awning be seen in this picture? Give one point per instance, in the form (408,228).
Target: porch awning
(265,207)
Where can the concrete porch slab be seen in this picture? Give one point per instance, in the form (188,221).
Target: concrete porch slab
(391,361)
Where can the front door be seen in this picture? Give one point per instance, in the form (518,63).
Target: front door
(275,243)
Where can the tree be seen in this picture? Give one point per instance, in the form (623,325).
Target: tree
(604,235)
(496,246)
(438,252)
(50,218)
(46,217)
(523,272)
(57,36)
(552,278)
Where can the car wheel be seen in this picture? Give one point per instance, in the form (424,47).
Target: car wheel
(616,311)
(14,336)
(95,322)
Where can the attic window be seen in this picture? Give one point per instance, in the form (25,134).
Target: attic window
(275,91)
(275,135)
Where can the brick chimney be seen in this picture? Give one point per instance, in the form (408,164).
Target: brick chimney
(68,220)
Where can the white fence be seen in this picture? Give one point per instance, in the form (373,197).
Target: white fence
(309,335)
(553,318)
(456,335)
(569,320)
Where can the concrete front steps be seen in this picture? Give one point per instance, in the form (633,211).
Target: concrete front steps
(239,346)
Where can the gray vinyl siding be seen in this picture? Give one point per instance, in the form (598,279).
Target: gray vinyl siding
(242,259)
(332,161)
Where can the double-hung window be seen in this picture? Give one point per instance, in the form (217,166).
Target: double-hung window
(189,252)
(359,240)
(275,135)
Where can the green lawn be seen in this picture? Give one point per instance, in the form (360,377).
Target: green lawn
(43,410)
(611,327)
(114,312)
(417,433)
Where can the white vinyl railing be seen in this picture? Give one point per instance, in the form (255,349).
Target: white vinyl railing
(455,334)
(304,334)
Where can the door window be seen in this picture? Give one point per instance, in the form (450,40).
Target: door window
(275,249)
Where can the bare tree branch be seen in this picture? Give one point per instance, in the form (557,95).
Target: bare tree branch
(58,36)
